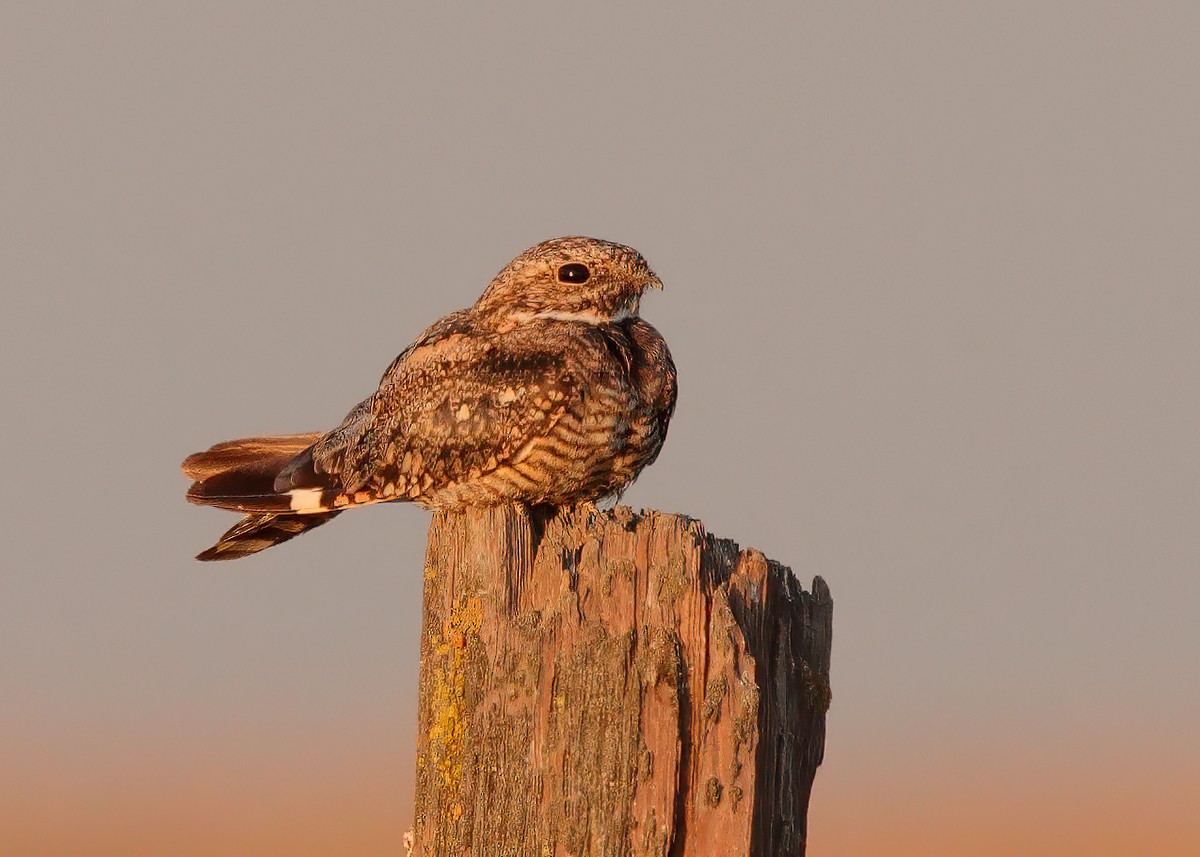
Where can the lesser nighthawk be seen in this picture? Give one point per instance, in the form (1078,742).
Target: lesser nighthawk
(550,389)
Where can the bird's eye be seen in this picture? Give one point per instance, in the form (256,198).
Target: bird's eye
(574,273)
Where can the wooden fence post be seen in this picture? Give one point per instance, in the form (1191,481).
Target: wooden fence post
(609,683)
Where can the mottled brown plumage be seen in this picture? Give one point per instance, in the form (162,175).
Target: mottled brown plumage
(550,389)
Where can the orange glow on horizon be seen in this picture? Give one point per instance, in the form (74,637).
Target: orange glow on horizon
(365,812)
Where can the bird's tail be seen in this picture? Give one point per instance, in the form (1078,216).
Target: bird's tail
(241,475)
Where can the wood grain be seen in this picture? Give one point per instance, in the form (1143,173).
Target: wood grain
(605,683)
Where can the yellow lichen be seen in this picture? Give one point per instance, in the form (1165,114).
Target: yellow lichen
(448,726)
(714,695)
(712,792)
(672,579)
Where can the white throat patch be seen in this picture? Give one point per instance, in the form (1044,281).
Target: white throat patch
(585,317)
(630,310)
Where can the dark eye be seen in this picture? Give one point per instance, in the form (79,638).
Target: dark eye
(574,273)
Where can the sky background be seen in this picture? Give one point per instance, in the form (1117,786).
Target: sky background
(933,288)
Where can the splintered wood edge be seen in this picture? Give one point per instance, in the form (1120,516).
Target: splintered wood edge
(590,520)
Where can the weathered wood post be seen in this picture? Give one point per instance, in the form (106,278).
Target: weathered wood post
(605,683)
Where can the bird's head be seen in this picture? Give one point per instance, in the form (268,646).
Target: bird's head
(572,279)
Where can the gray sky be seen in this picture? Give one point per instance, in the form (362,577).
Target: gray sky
(932,287)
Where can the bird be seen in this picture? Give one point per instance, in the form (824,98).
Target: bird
(549,390)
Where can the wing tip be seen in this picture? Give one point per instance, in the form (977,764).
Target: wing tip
(213,554)
(257,532)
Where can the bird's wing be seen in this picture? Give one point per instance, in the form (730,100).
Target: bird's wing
(450,409)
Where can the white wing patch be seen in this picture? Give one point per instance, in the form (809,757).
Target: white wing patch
(305,500)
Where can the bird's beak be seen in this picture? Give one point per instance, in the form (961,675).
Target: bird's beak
(654,282)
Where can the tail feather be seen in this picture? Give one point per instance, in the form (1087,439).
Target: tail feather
(254,453)
(260,531)
(241,475)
